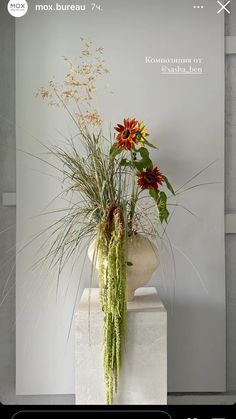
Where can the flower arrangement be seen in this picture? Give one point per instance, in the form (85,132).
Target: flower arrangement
(130,155)
(110,177)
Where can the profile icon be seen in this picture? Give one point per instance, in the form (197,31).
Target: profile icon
(17,8)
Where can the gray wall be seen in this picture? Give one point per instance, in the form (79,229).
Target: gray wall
(230,200)
(7,215)
(7,218)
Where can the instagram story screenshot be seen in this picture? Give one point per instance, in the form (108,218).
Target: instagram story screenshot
(118,207)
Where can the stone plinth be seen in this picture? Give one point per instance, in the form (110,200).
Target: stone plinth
(143,378)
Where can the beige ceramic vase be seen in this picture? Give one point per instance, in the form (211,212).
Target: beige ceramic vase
(143,255)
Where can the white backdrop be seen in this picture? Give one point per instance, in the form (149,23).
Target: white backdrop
(184,114)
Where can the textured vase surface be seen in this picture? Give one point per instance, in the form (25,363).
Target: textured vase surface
(143,258)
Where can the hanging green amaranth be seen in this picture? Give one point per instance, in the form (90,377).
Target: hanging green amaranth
(112,273)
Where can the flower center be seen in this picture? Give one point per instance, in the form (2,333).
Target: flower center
(126,134)
(150,177)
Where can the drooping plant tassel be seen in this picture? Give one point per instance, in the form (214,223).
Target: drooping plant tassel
(112,274)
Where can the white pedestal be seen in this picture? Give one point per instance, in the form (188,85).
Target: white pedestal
(143,377)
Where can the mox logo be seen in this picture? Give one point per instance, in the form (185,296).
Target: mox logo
(17,8)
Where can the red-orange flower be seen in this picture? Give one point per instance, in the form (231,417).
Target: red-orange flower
(127,132)
(150,178)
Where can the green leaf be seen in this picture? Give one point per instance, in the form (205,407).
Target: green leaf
(129,263)
(139,165)
(154,194)
(150,144)
(125,162)
(162,208)
(114,151)
(168,185)
(145,161)
(163,197)
(144,152)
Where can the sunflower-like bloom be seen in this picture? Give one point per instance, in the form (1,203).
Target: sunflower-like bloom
(141,134)
(150,178)
(126,137)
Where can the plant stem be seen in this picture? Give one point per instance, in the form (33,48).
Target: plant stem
(133,196)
